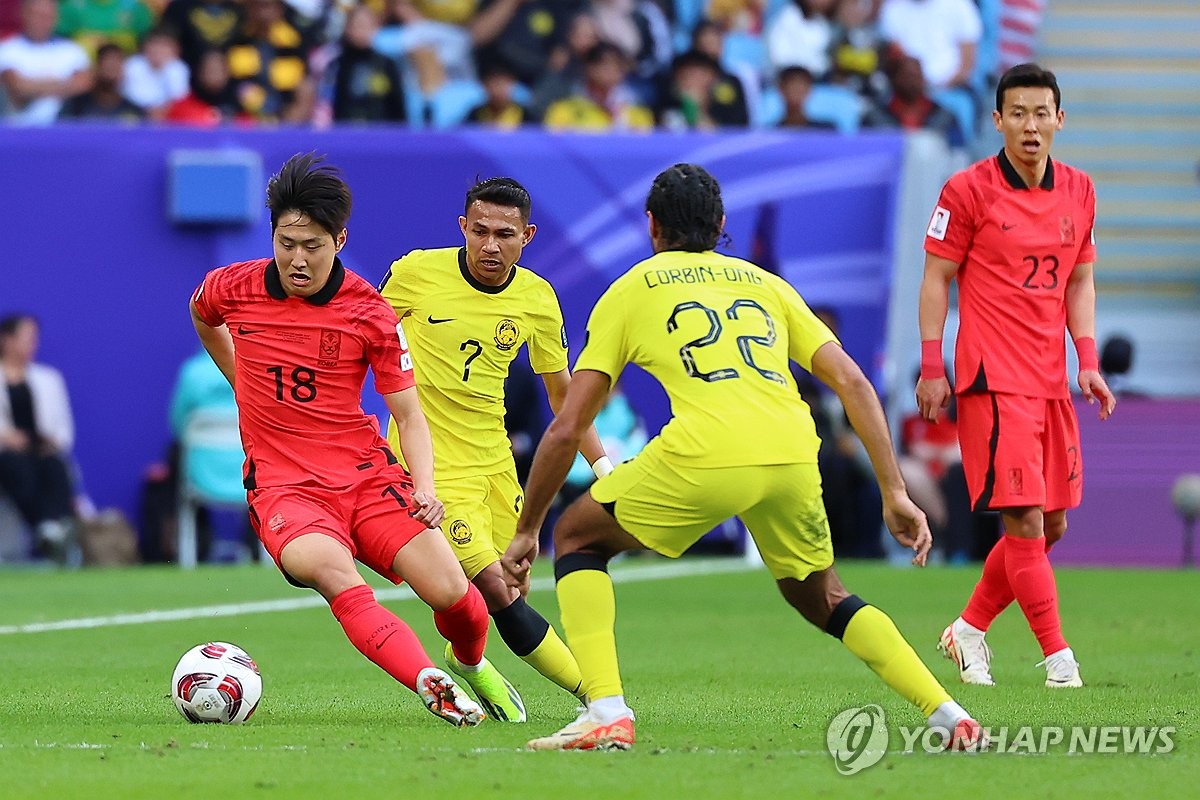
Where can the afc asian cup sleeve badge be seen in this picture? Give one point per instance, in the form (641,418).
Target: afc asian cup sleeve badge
(507,335)
(563,334)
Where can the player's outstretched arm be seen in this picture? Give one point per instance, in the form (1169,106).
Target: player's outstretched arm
(933,390)
(1081,322)
(217,341)
(417,446)
(551,463)
(907,523)
(590,446)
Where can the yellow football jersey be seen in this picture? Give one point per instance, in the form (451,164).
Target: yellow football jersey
(463,336)
(717,332)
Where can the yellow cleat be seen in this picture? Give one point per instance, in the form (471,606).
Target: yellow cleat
(495,693)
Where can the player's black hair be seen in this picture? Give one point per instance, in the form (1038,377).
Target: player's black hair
(1027,75)
(686,203)
(502,192)
(316,189)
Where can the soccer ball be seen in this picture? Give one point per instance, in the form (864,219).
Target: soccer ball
(216,682)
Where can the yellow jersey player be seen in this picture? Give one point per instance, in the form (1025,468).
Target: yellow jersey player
(717,332)
(467,312)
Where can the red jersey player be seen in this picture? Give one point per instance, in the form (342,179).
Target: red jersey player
(294,335)
(1016,232)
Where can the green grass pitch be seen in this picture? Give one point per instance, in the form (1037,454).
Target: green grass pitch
(733,693)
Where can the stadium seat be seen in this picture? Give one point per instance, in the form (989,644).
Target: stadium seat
(210,473)
(451,103)
(835,104)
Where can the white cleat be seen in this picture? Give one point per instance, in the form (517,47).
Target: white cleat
(585,733)
(967,649)
(1062,670)
(444,699)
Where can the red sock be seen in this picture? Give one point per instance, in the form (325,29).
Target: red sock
(1032,580)
(992,594)
(465,625)
(380,635)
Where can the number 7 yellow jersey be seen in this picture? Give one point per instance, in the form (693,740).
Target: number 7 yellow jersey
(463,336)
(718,333)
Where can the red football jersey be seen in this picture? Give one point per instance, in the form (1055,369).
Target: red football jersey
(1016,248)
(300,366)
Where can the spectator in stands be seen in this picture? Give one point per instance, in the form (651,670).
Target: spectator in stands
(212,99)
(942,34)
(700,97)
(268,62)
(37,431)
(858,47)
(709,38)
(39,70)
(92,23)
(156,76)
(500,110)
(410,35)
(910,107)
(800,35)
(735,15)
(521,33)
(203,25)
(795,85)
(564,67)
(642,32)
(362,84)
(603,101)
(105,100)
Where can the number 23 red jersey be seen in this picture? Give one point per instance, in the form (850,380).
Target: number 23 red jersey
(300,366)
(1016,248)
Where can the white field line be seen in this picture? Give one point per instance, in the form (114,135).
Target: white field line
(677,569)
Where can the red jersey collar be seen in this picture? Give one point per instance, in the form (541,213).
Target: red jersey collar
(1015,180)
(337,277)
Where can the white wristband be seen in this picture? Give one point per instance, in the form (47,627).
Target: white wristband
(602,466)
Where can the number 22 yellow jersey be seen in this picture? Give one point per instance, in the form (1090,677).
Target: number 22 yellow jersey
(463,336)
(717,332)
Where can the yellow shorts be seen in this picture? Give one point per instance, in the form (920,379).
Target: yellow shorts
(668,508)
(481,517)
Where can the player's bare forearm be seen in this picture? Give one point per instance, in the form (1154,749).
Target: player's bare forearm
(556,392)
(1080,299)
(218,342)
(836,369)
(935,296)
(416,443)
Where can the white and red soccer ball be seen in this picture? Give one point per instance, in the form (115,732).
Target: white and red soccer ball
(216,682)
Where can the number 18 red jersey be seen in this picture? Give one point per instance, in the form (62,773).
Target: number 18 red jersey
(300,366)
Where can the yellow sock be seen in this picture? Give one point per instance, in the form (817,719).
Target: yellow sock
(557,663)
(872,636)
(589,617)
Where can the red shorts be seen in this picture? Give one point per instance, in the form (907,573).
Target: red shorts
(371,518)
(1020,451)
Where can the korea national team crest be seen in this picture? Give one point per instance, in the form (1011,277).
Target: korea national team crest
(507,336)
(1066,229)
(331,348)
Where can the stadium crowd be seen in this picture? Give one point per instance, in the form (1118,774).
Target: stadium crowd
(564,64)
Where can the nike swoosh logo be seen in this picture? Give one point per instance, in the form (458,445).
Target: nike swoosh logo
(244,331)
(1006,227)
(391,633)
(433,321)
